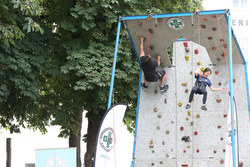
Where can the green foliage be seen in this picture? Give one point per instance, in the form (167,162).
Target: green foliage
(10,11)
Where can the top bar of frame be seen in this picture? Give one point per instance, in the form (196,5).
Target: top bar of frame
(174,14)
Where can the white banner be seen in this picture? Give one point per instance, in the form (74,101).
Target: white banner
(107,137)
(229,155)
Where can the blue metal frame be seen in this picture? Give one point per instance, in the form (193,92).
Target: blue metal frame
(175,14)
(231,85)
(114,64)
(246,73)
(230,32)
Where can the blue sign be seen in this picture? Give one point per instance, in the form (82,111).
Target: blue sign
(65,157)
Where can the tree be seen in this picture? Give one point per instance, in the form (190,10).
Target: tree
(86,30)
(10,10)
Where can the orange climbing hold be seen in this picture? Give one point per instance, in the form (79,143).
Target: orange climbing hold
(218,100)
(216,72)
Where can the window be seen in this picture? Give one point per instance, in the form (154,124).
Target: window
(235,3)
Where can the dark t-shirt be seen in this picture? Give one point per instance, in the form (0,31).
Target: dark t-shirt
(149,69)
(203,80)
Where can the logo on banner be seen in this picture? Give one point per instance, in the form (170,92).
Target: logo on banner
(176,23)
(107,139)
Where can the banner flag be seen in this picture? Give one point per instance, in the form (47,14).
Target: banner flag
(106,142)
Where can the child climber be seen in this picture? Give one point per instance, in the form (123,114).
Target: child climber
(201,83)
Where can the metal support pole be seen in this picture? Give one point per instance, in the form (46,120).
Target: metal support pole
(231,86)
(114,64)
(8,150)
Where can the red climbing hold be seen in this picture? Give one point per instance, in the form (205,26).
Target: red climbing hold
(213,48)
(186,90)
(234,80)
(195,133)
(184,165)
(197,150)
(181,128)
(218,59)
(185,44)
(184,151)
(196,51)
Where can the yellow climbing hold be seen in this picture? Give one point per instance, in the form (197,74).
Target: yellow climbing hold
(180,104)
(184,84)
(189,113)
(188,146)
(186,58)
(198,63)
(202,69)
(191,72)
(198,116)
(187,119)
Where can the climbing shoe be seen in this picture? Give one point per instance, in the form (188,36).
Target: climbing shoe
(204,107)
(164,88)
(145,87)
(188,106)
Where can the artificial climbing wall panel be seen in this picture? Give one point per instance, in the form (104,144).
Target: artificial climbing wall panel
(170,135)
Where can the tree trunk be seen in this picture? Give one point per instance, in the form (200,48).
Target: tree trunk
(93,126)
(75,136)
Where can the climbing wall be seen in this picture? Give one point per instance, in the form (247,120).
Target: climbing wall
(170,135)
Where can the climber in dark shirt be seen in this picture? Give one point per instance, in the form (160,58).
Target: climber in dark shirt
(149,69)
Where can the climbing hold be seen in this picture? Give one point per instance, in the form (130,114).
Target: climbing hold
(197,150)
(153,151)
(151,47)
(185,44)
(218,100)
(163,142)
(187,49)
(216,72)
(213,48)
(198,63)
(181,128)
(222,40)
(184,151)
(195,133)
(186,58)
(203,26)
(172,122)
(156,91)
(151,144)
(161,162)
(189,113)
(165,101)
(180,104)
(159,115)
(215,151)
(218,126)
(202,69)
(186,90)
(188,146)
(221,161)
(192,123)
(187,119)
(234,80)
(158,128)
(191,72)
(186,138)
(224,150)
(225,115)
(221,138)
(151,31)
(210,38)
(223,55)
(198,116)
(152,164)
(219,83)
(167,132)
(214,29)
(155,109)
(196,51)
(166,155)
(225,45)
(218,59)
(184,84)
